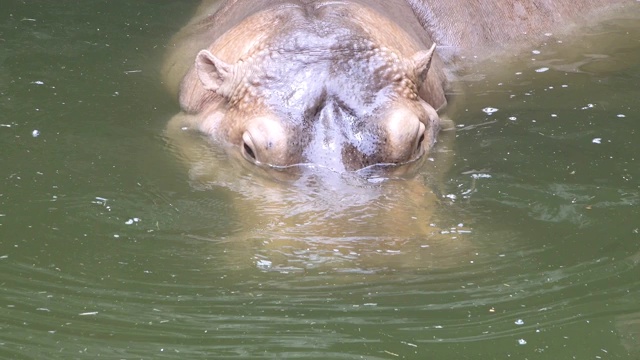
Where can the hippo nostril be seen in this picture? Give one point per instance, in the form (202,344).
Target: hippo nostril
(264,142)
(405,136)
(420,141)
(248,147)
(249,151)
(421,138)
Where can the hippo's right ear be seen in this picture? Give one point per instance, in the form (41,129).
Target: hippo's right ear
(212,71)
(422,62)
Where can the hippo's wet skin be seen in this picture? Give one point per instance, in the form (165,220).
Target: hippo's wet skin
(316,84)
(341,85)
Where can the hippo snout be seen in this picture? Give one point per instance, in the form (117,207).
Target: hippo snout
(337,142)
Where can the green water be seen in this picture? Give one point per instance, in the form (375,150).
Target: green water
(108,249)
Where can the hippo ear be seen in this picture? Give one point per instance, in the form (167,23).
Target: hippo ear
(212,71)
(421,62)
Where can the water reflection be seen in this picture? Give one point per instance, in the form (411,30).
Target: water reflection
(347,221)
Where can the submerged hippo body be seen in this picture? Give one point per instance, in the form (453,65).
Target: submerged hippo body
(338,84)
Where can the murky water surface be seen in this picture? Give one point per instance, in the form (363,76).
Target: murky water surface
(110,247)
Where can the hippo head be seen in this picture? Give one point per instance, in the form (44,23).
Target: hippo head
(342,103)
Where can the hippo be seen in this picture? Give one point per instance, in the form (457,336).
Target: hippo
(343,85)
(342,103)
(326,89)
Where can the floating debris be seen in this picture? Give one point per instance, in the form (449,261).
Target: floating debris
(90,313)
(263,264)
(489,110)
(132,221)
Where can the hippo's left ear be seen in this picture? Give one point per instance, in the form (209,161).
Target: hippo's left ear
(421,62)
(213,72)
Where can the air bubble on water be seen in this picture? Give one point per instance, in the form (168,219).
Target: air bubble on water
(522,342)
(542,69)
(35,133)
(536,52)
(621,115)
(489,110)
(519,322)
(132,221)
(263,264)
(513,118)
(481,176)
